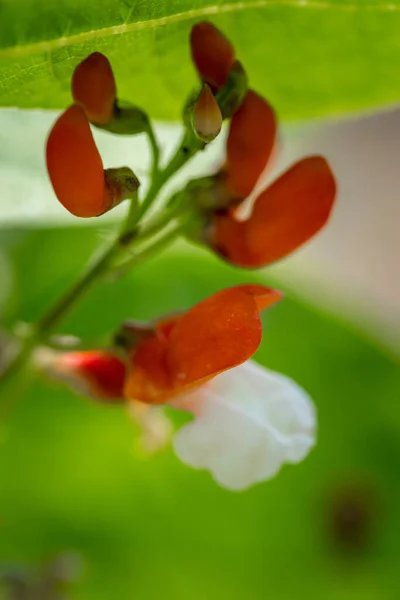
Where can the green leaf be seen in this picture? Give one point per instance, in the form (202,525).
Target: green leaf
(157,529)
(309,57)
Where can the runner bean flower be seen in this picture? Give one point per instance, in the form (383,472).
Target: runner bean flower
(248,421)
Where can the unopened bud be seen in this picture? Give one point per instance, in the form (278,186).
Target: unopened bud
(207,117)
(212,54)
(93,86)
(98,374)
(250,143)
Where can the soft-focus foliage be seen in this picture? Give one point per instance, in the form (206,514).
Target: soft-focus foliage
(69,482)
(308,58)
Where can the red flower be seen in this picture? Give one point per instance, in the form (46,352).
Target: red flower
(175,354)
(218,334)
(247,421)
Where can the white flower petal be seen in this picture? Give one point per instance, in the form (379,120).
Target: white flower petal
(248,422)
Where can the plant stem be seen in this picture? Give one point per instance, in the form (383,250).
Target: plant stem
(188,147)
(155,150)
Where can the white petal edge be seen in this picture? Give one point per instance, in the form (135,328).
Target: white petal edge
(248,422)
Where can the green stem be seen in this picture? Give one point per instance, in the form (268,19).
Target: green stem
(155,150)
(166,233)
(188,147)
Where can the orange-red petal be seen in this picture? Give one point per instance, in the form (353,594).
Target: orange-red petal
(185,350)
(263,296)
(93,86)
(251,139)
(74,165)
(285,216)
(164,326)
(212,54)
(99,374)
(227,237)
(149,379)
(221,332)
(289,212)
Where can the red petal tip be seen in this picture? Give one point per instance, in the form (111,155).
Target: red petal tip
(212,54)
(93,86)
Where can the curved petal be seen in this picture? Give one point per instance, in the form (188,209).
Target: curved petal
(248,423)
(219,333)
(148,378)
(212,53)
(263,296)
(74,165)
(227,237)
(187,349)
(291,210)
(93,86)
(250,143)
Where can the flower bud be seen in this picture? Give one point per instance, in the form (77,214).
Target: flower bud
(212,54)
(251,140)
(98,374)
(207,117)
(93,86)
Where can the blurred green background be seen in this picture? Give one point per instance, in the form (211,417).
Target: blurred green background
(70,480)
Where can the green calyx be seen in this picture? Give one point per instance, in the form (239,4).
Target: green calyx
(127,120)
(231,96)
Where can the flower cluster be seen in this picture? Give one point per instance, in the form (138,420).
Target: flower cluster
(286,214)
(247,421)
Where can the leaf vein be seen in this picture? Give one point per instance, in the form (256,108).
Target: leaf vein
(205,11)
